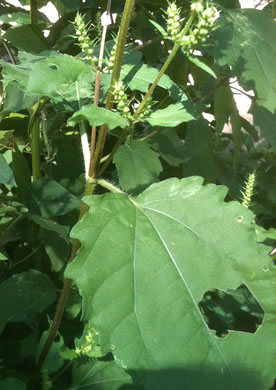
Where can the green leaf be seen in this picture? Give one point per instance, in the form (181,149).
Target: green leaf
(139,77)
(223,106)
(144,266)
(99,376)
(6,174)
(266,121)
(12,384)
(59,77)
(160,29)
(173,115)
(25,294)
(137,165)
(54,361)
(97,116)
(28,38)
(49,224)
(48,198)
(3,257)
(246,40)
(15,100)
(202,65)
(169,145)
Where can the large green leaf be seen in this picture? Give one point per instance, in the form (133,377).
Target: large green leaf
(145,264)
(59,77)
(137,165)
(173,115)
(246,40)
(25,294)
(97,116)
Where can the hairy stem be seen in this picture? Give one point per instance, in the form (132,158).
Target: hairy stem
(97,89)
(114,150)
(115,77)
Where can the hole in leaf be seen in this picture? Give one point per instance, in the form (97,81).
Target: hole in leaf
(54,67)
(231,310)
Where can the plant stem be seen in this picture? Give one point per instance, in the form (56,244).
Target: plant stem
(97,89)
(33,12)
(114,150)
(8,51)
(115,77)
(33,129)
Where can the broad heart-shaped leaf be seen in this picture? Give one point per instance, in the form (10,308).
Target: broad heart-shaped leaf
(97,116)
(145,264)
(246,40)
(137,165)
(173,115)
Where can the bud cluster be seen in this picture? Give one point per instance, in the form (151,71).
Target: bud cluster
(111,58)
(145,111)
(121,99)
(83,37)
(173,22)
(200,31)
(87,348)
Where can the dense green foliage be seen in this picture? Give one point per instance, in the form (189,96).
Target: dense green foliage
(158,232)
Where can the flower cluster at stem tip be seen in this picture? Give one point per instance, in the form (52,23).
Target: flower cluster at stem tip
(83,37)
(120,98)
(199,32)
(248,190)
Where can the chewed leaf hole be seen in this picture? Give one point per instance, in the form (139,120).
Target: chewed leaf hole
(54,67)
(231,310)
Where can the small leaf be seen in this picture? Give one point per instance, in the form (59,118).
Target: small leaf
(25,294)
(170,146)
(173,115)
(202,65)
(6,174)
(48,198)
(138,166)
(223,106)
(97,116)
(160,29)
